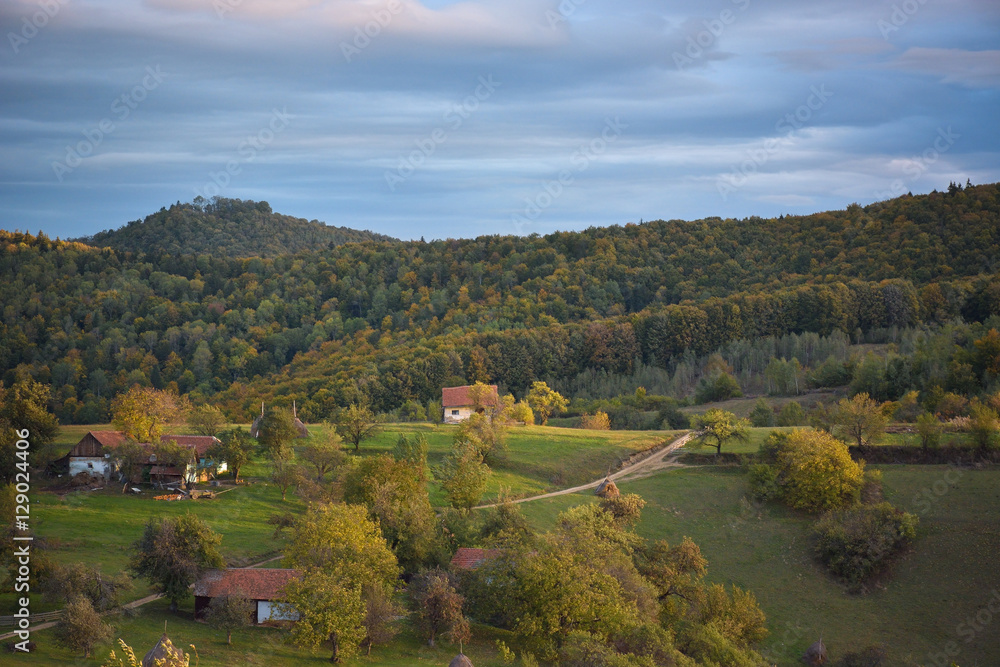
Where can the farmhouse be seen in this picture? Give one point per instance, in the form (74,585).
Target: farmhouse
(459,404)
(95,454)
(262,586)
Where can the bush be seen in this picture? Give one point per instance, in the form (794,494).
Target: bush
(762,416)
(719,386)
(599,421)
(521,412)
(813,470)
(856,543)
(792,415)
(412,411)
(871,656)
(763,481)
(670,417)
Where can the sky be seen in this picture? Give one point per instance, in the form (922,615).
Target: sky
(442,119)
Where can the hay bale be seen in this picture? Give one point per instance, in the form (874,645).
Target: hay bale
(460,660)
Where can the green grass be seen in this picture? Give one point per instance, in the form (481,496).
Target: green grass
(538,458)
(742,407)
(949,574)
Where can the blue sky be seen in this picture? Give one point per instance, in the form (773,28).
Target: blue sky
(457,119)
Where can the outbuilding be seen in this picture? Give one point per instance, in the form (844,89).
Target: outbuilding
(262,586)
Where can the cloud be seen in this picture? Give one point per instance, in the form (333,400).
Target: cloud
(975,69)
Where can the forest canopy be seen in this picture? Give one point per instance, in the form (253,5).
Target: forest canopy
(384,322)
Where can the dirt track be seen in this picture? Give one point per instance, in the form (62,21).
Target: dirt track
(648,466)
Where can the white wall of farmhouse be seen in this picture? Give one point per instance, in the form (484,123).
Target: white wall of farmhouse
(93,465)
(459,414)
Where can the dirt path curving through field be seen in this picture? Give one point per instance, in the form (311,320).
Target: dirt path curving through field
(644,468)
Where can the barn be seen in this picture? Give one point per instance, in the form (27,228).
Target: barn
(459,405)
(94,454)
(263,586)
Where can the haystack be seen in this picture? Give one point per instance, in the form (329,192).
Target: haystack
(460,660)
(816,654)
(164,654)
(300,428)
(255,426)
(607,489)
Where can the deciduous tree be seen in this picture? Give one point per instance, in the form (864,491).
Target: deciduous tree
(142,413)
(544,401)
(860,419)
(235,447)
(437,606)
(356,424)
(717,427)
(206,419)
(173,552)
(81,627)
(228,613)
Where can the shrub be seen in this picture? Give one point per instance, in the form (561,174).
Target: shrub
(762,415)
(719,386)
(792,415)
(763,481)
(599,421)
(521,412)
(856,543)
(816,472)
(929,429)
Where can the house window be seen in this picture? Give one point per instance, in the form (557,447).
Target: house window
(90,465)
(454,413)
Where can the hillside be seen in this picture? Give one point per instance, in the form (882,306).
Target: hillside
(229,227)
(623,306)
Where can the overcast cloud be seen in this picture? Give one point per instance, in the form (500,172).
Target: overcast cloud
(456,119)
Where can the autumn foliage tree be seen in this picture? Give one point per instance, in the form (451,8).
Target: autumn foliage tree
(717,427)
(143,413)
(544,401)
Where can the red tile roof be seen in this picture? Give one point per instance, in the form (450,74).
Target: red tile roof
(454,397)
(114,439)
(468,558)
(255,583)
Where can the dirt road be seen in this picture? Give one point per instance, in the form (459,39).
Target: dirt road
(648,466)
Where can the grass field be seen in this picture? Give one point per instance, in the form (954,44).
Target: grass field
(949,575)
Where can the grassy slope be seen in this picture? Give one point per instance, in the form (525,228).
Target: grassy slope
(948,576)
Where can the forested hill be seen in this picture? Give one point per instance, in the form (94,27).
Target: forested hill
(391,321)
(229,227)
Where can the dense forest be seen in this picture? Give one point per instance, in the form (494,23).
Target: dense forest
(664,304)
(227,227)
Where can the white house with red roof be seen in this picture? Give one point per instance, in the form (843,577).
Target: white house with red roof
(459,405)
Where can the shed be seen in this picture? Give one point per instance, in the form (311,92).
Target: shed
(458,404)
(164,654)
(607,489)
(468,558)
(263,586)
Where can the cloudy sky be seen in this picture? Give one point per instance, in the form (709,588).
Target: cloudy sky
(456,119)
